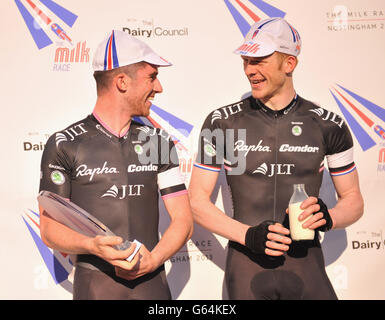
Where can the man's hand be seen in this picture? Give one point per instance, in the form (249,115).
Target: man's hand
(145,264)
(321,219)
(104,247)
(269,238)
(278,243)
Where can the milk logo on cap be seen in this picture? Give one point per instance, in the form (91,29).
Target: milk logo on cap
(269,35)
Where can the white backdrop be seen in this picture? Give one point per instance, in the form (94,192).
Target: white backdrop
(340,67)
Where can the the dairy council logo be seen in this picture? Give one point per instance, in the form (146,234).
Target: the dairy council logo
(58,264)
(42,20)
(148,28)
(246,13)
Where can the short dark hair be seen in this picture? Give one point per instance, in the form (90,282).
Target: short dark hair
(103,78)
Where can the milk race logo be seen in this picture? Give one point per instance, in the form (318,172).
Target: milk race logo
(48,22)
(246,13)
(342,18)
(366,120)
(58,264)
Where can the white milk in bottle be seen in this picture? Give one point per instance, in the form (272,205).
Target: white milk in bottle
(296,230)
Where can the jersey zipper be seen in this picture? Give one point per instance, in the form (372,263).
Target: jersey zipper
(276,161)
(126,143)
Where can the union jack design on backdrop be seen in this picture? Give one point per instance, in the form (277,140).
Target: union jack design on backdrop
(178,129)
(365,119)
(44,20)
(246,13)
(59,264)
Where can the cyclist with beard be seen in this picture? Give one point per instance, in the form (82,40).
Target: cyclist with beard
(99,164)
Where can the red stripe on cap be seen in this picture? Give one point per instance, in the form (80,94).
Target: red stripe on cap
(109,53)
(296,34)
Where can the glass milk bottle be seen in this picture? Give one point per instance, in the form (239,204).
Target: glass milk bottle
(296,230)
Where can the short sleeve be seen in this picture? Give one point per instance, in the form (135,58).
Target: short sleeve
(339,148)
(211,144)
(170,181)
(55,175)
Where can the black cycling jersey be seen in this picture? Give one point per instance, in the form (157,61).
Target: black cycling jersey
(116,179)
(265,152)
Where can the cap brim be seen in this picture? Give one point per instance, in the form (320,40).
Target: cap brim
(156,60)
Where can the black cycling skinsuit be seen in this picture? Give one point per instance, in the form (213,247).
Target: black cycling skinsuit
(106,175)
(274,150)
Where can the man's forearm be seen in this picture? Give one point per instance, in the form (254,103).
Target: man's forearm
(215,220)
(59,237)
(178,232)
(348,210)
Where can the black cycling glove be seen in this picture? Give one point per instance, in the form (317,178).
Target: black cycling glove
(327,217)
(256,237)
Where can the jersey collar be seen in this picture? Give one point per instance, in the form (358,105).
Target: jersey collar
(276,113)
(105,129)
(105,125)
